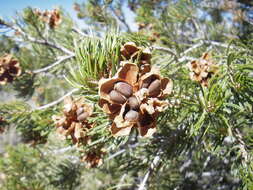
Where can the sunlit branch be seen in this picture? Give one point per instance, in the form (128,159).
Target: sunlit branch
(122,20)
(153,165)
(34,40)
(57,101)
(59,61)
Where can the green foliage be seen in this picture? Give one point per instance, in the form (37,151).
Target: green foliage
(34,125)
(29,168)
(96,58)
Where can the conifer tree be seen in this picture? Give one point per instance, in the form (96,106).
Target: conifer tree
(162,103)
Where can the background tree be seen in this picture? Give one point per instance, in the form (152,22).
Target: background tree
(204,137)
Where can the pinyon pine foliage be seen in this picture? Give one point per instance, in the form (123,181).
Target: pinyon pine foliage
(161,102)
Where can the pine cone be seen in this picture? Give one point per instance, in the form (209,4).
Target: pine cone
(55,18)
(94,158)
(133,99)
(154,36)
(52,18)
(202,69)
(9,69)
(141,26)
(129,51)
(74,122)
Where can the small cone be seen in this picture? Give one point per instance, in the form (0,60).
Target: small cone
(74,122)
(9,69)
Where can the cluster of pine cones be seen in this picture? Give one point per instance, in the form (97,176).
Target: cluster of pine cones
(133,98)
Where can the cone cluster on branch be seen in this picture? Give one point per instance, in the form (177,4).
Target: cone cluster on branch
(52,18)
(9,69)
(74,121)
(202,69)
(134,97)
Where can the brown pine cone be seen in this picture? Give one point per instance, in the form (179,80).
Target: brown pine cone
(134,99)
(74,122)
(9,69)
(202,69)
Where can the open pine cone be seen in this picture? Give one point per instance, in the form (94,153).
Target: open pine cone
(93,158)
(52,18)
(202,69)
(129,51)
(9,69)
(133,99)
(74,122)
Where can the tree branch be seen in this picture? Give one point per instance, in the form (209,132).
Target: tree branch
(170,51)
(242,146)
(34,40)
(77,30)
(121,181)
(122,20)
(192,48)
(181,59)
(186,58)
(57,101)
(60,60)
(80,32)
(122,151)
(153,165)
(218,44)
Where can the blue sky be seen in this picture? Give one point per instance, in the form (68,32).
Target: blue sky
(9,7)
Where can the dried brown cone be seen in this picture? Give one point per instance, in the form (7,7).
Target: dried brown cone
(202,69)
(55,18)
(141,26)
(130,51)
(2,124)
(73,123)
(9,69)
(131,98)
(52,18)
(154,37)
(147,26)
(93,158)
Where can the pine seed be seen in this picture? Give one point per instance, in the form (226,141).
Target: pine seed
(133,103)
(117,97)
(132,115)
(124,89)
(154,88)
(79,110)
(83,116)
(146,83)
